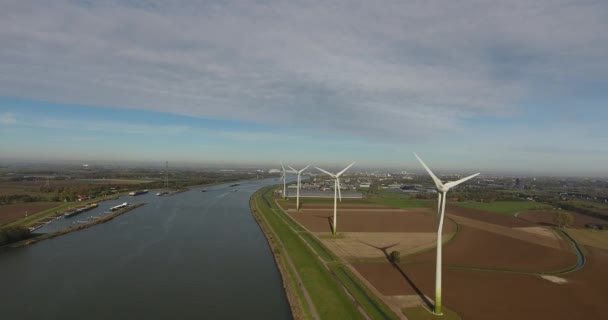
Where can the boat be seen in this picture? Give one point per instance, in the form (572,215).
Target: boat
(120,206)
(204,190)
(80,210)
(235,184)
(32,229)
(137,192)
(163,193)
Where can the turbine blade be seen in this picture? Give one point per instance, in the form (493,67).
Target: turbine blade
(338,185)
(292,169)
(304,168)
(341,172)
(329,173)
(282,166)
(438,182)
(455,183)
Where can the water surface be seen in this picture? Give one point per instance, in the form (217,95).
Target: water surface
(191,255)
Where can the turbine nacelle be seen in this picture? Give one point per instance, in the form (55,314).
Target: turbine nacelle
(336,178)
(443,187)
(296,171)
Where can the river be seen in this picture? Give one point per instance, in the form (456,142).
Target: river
(190,255)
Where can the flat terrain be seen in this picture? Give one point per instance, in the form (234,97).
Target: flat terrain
(368,219)
(502,207)
(591,238)
(546,218)
(500,295)
(490,253)
(478,248)
(502,220)
(12,212)
(356,246)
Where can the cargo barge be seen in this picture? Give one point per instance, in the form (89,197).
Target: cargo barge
(120,206)
(138,192)
(80,210)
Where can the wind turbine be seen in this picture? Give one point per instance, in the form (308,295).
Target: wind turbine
(284,178)
(337,192)
(442,190)
(298,192)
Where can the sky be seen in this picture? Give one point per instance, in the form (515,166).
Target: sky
(493,86)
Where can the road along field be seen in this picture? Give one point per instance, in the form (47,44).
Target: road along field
(12,212)
(496,266)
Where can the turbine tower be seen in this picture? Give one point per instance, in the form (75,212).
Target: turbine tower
(337,192)
(284,178)
(166,174)
(298,192)
(442,190)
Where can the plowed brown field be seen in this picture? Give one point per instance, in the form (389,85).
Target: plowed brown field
(478,277)
(12,212)
(497,295)
(374,219)
(499,219)
(474,247)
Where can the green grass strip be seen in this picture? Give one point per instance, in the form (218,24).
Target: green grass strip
(372,305)
(328,297)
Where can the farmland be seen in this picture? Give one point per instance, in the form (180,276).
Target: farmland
(486,249)
(502,207)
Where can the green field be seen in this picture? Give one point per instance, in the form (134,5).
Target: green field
(592,238)
(503,207)
(585,207)
(324,286)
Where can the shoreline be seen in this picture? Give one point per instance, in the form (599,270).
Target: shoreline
(295,306)
(89,224)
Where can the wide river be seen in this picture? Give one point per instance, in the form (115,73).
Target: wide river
(193,255)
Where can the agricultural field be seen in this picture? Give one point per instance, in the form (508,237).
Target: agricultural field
(486,249)
(547,218)
(592,238)
(114,181)
(503,207)
(12,212)
(586,206)
(321,292)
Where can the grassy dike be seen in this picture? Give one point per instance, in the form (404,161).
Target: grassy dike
(317,284)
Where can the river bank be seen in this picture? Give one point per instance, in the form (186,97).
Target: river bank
(89,224)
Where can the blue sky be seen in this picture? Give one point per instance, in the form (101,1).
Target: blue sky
(470,85)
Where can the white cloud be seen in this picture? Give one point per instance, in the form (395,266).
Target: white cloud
(7,118)
(361,68)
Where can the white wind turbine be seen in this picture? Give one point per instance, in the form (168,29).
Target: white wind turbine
(298,192)
(337,192)
(284,178)
(442,190)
